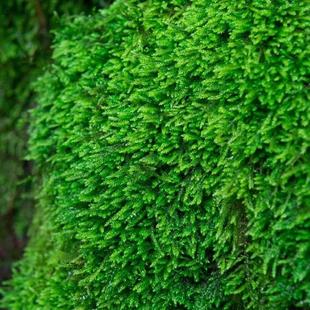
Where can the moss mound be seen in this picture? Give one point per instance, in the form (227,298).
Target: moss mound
(172,141)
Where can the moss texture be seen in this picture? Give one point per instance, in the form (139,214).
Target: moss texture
(24,52)
(172,141)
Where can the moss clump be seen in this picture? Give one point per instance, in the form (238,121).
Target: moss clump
(24,51)
(172,140)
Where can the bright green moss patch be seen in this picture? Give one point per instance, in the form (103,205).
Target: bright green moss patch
(172,140)
(24,52)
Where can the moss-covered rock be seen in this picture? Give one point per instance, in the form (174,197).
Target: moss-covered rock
(172,141)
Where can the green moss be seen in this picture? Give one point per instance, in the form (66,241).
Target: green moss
(172,140)
(24,51)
